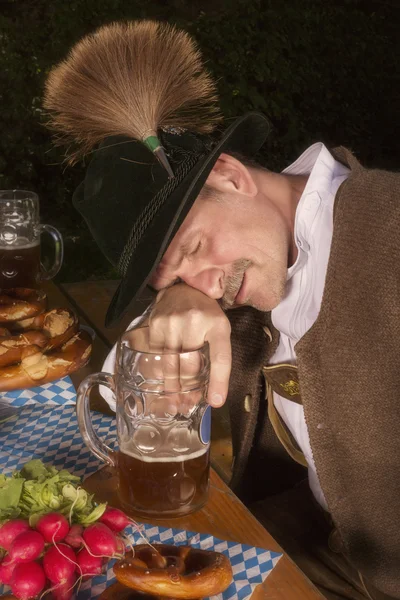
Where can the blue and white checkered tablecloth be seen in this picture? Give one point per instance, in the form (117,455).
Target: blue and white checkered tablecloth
(51,433)
(250,565)
(55,393)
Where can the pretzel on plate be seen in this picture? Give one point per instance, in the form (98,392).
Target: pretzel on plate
(14,347)
(180,572)
(21,303)
(36,346)
(37,368)
(118,591)
(59,325)
(54,322)
(53,329)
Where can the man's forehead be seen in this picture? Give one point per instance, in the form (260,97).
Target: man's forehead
(171,261)
(191,228)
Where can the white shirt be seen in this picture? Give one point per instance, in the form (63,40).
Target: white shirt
(305,283)
(109,364)
(300,306)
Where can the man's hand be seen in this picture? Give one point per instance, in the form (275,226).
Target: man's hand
(183,319)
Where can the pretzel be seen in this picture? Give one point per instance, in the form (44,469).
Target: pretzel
(179,572)
(31,323)
(21,303)
(60,325)
(37,368)
(52,321)
(120,592)
(54,328)
(14,347)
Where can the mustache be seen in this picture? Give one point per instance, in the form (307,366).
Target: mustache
(234,282)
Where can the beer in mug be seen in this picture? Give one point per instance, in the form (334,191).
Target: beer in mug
(163,426)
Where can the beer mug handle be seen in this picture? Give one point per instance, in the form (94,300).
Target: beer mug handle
(90,437)
(58,251)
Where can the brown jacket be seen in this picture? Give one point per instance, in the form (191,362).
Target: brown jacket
(349,371)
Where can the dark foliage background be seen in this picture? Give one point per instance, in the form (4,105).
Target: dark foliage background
(320,69)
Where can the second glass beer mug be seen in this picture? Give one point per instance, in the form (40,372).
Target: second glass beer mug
(20,232)
(163,426)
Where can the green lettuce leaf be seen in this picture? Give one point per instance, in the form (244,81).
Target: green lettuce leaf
(34,469)
(92,516)
(39,488)
(10,492)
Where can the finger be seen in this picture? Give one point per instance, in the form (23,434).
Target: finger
(170,365)
(156,325)
(190,365)
(156,336)
(169,358)
(220,369)
(171,369)
(137,341)
(166,342)
(191,370)
(188,384)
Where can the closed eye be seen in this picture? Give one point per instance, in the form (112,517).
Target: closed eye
(196,250)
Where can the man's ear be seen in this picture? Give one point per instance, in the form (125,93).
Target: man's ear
(230,175)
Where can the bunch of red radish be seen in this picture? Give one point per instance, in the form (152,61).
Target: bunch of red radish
(55,556)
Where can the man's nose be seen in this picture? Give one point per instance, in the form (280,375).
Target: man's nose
(209,281)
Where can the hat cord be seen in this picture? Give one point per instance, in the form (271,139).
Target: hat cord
(151,209)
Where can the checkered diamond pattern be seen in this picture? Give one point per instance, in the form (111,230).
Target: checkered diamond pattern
(51,433)
(250,565)
(55,393)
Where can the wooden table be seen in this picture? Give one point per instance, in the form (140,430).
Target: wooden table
(224,515)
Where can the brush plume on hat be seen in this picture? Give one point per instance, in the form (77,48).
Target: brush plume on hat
(130,79)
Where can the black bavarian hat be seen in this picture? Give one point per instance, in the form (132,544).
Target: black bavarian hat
(133,209)
(139,89)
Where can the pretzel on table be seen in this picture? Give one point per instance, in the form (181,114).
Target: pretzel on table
(180,572)
(41,346)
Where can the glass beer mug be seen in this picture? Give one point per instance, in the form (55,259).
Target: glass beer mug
(163,426)
(20,232)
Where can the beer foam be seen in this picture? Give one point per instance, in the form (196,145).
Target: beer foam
(162,459)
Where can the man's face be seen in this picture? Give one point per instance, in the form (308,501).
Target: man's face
(233,248)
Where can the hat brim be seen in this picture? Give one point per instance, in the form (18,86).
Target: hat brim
(246,136)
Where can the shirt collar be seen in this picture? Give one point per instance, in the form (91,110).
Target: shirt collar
(318,163)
